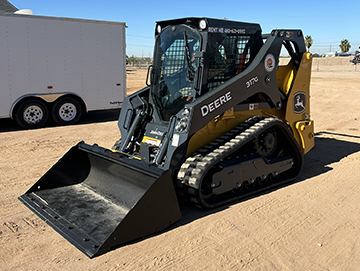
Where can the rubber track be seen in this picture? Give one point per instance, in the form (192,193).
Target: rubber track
(194,167)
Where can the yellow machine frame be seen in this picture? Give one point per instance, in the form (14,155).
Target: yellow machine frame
(290,81)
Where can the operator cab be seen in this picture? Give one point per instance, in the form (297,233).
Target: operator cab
(192,56)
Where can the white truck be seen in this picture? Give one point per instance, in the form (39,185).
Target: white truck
(59,68)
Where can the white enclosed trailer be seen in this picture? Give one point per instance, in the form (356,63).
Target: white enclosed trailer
(59,68)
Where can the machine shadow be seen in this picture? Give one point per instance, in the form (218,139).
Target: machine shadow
(318,161)
(98,116)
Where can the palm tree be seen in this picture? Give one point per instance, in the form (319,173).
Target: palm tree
(345,46)
(308,41)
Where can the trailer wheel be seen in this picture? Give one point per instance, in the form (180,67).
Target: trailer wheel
(66,110)
(32,114)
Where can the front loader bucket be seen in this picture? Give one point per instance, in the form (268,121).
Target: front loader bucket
(98,199)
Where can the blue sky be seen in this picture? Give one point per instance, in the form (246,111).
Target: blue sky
(328,22)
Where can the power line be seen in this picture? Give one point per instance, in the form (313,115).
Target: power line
(138,36)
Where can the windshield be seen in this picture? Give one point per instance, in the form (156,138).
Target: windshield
(174,69)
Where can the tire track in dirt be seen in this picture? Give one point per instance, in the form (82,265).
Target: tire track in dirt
(18,224)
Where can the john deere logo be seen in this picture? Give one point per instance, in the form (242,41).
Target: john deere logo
(299,102)
(269,63)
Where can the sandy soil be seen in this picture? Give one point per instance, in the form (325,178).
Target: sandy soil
(312,224)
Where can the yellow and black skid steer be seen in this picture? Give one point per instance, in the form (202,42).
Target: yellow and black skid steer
(219,120)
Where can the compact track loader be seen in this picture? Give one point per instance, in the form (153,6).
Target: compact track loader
(220,120)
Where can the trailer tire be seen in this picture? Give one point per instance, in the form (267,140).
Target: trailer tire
(32,114)
(66,110)
(117,145)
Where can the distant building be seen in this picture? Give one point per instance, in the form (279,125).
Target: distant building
(6,7)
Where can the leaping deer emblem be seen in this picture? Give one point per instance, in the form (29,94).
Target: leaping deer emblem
(299,103)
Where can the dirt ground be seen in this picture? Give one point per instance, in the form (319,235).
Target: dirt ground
(312,224)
